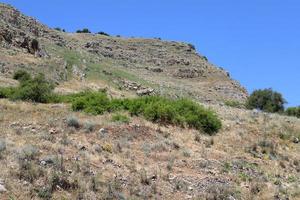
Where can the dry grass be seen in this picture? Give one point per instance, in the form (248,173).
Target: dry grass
(145,160)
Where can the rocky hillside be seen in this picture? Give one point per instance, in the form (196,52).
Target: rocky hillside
(171,68)
(48,151)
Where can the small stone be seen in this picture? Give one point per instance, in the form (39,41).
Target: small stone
(43,162)
(230,198)
(82,148)
(52,131)
(103,131)
(2,188)
(296,140)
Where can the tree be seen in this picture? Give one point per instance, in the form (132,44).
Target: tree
(266,100)
(85,30)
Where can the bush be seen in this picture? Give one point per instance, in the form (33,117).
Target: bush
(157,109)
(59,29)
(266,100)
(89,126)
(120,118)
(6,92)
(293,111)
(103,33)
(73,122)
(35,45)
(36,90)
(85,30)
(91,102)
(21,75)
(28,152)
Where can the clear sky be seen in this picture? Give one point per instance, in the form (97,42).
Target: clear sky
(257,41)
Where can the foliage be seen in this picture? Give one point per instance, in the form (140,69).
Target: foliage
(6,92)
(89,126)
(35,45)
(182,112)
(21,75)
(59,29)
(36,89)
(85,30)
(72,121)
(103,33)
(91,102)
(120,118)
(158,109)
(266,100)
(293,111)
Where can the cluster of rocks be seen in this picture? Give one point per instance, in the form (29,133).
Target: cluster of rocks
(229,91)
(151,52)
(154,69)
(174,61)
(134,86)
(189,73)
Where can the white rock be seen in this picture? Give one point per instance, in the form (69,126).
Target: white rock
(2,188)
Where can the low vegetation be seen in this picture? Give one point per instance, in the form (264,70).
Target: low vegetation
(293,111)
(85,30)
(103,33)
(120,118)
(157,109)
(36,89)
(182,112)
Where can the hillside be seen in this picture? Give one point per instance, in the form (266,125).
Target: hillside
(49,151)
(172,68)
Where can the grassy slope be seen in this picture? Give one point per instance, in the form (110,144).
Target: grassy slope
(184,163)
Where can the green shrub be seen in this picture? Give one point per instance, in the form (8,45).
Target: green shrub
(36,90)
(6,92)
(157,109)
(91,102)
(21,75)
(293,111)
(120,118)
(266,100)
(103,33)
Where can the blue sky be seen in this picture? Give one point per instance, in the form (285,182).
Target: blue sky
(257,41)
